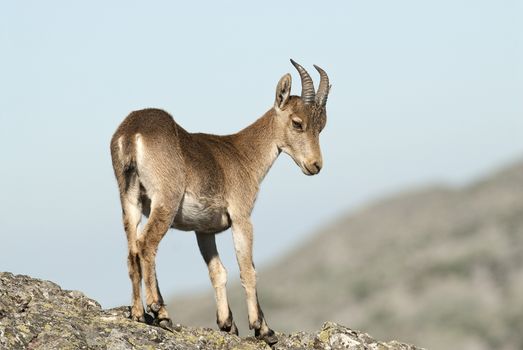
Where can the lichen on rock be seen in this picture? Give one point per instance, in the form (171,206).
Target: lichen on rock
(37,314)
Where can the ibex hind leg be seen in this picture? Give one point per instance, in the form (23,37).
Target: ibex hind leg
(132,215)
(163,185)
(160,219)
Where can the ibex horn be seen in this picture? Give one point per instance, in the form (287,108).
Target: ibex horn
(307,87)
(323,89)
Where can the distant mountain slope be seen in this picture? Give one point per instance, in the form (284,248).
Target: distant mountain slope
(438,267)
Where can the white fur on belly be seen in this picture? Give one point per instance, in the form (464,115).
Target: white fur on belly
(200,214)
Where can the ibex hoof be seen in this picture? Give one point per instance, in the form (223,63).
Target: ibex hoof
(230,328)
(234,329)
(153,308)
(269,337)
(167,324)
(137,314)
(138,318)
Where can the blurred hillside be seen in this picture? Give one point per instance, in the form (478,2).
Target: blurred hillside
(438,267)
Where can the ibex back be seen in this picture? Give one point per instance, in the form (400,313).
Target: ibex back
(207,183)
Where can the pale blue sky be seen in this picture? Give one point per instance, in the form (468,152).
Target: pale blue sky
(423,92)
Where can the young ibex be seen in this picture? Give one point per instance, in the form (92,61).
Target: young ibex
(207,183)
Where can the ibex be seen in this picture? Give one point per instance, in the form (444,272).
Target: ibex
(208,183)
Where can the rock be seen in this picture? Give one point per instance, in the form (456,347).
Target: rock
(36,314)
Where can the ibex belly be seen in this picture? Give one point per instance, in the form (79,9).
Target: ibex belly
(201,214)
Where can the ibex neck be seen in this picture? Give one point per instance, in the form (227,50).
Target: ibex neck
(257,143)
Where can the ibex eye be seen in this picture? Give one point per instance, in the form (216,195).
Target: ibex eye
(297,125)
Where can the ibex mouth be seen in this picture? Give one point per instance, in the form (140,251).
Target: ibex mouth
(307,171)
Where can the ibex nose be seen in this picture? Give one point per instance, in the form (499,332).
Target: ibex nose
(317,166)
(312,168)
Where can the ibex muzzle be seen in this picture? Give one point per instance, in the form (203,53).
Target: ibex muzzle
(207,184)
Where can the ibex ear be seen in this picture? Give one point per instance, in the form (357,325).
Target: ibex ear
(283,91)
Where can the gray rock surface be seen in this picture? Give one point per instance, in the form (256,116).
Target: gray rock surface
(37,314)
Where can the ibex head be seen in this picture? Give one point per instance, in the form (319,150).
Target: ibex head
(301,119)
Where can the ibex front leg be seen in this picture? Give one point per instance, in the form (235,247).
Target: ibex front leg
(218,276)
(242,236)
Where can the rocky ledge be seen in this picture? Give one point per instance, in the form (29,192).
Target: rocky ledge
(37,314)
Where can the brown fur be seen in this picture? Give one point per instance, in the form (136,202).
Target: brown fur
(205,183)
